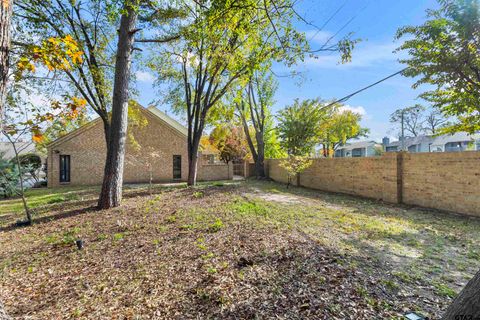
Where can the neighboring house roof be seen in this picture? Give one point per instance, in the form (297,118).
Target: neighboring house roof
(456,137)
(7,152)
(435,140)
(172,123)
(411,141)
(358,145)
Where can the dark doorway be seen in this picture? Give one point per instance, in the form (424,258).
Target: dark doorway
(177,167)
(64,168)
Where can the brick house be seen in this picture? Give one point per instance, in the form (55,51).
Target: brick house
(156,151)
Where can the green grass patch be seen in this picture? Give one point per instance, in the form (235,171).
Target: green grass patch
(43,197)
(250,207)
(444,290)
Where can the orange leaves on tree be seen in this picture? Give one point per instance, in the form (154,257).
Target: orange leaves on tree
(55,53)
(69,110)
(58,53)
(37,136)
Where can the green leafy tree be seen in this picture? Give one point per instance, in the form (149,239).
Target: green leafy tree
(443,53)
(101,73)
(223,45)
(273,148)
(299,124)
(338,127)
(298,129)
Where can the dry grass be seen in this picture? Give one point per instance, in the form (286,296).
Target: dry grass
(252,250)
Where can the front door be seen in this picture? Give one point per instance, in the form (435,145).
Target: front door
(177,167)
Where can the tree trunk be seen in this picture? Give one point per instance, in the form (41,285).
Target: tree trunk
(192,161)
(5,21)
(29,220)
(467,304)
(260,161)
(111,194)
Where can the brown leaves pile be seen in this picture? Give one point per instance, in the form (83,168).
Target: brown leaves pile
(142,261)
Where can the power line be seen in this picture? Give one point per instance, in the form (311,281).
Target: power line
(365,88)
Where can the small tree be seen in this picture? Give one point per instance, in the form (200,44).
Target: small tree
(294,165)
(230,141)
(32,119)
(299,133)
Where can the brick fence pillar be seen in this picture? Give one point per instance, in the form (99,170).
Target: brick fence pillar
(400,166)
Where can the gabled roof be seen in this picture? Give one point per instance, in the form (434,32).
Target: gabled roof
(456,137)
(359,144)
(170,122)
(436,140)
(411,141)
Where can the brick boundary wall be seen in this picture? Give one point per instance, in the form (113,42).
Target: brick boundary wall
(446,181)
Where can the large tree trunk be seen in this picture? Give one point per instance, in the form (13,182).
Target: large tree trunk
(111,194)
(193,160)
(5,21)
(467,304)
(260,161)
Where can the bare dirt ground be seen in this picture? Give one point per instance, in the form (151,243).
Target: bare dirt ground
(250,250)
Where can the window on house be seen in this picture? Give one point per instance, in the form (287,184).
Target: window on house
(358,152)
(391,149)
(456,146)
(177,167)
(64,168)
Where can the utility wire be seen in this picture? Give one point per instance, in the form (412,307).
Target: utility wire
(365,88)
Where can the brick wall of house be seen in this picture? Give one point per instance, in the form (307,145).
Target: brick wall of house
(445,181)
(150,152)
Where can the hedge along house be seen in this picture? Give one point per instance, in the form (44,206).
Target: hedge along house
(156,151)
